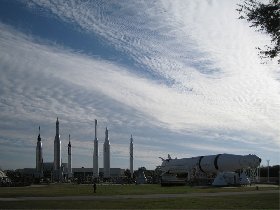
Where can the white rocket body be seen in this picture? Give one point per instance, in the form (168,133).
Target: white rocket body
(228,162)
(106,155)
(39,154)
(131,156)
(95,154)
(224,166)
(69,159)
(57,148)
(211,163)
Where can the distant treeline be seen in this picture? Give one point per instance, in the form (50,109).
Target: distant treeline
(273,171)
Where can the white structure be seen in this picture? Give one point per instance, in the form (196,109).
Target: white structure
(39,154)
(106,155)
(131,156)
(57,148)
(69,166)
(95,154)
(218,165)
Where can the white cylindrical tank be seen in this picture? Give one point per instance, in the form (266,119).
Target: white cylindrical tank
(227,162)
(207,163)
(179,165)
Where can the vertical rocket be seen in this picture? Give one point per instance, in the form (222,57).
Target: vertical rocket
(131,156)
(95,154)
(39,154)
(106,154)
(69,159)
(57,148)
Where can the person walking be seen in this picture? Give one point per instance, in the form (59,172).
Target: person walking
(94,187)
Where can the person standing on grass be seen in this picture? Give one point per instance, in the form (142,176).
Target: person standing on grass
(94,187)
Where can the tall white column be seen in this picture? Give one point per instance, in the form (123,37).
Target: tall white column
(95,154)
(39,154)
(131,156)
(106,155)
(57,148)
(69,159)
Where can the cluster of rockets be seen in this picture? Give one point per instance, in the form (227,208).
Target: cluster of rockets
(106,155)
(57,154)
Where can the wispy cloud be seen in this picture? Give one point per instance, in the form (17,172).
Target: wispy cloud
(231,87)
(200,77)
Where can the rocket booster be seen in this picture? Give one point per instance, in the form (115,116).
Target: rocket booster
(211,163)
(95,154)
(131,156)
(106,154)
(57,148)
(39,153)
(69,157)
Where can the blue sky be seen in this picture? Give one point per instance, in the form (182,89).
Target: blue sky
(183,77)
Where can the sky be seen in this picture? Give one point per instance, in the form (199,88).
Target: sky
(183,77)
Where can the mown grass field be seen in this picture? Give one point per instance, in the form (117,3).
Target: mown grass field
(258,201)
(74,189)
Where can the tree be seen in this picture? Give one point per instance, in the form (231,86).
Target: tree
(265,18)
(127,173)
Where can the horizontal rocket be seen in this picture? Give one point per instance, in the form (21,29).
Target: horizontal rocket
(211,163)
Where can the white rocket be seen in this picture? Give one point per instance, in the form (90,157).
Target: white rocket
(212,164)
(69,159)
(39,154)
(57,148)
(95,154)
(131,156)
(106,154)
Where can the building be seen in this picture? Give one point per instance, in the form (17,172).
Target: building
(87,173)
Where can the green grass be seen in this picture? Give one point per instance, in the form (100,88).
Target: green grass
(256,201)
(74,189)
(264,201)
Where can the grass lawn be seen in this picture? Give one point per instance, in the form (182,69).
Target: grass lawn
(74,189)
(265,201)
(256,201)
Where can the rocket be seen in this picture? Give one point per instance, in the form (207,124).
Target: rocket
(106,154)
(57,148)
(223,166)
(69,158)
(131,156)
(95,154)
(39,154)
(211,163)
